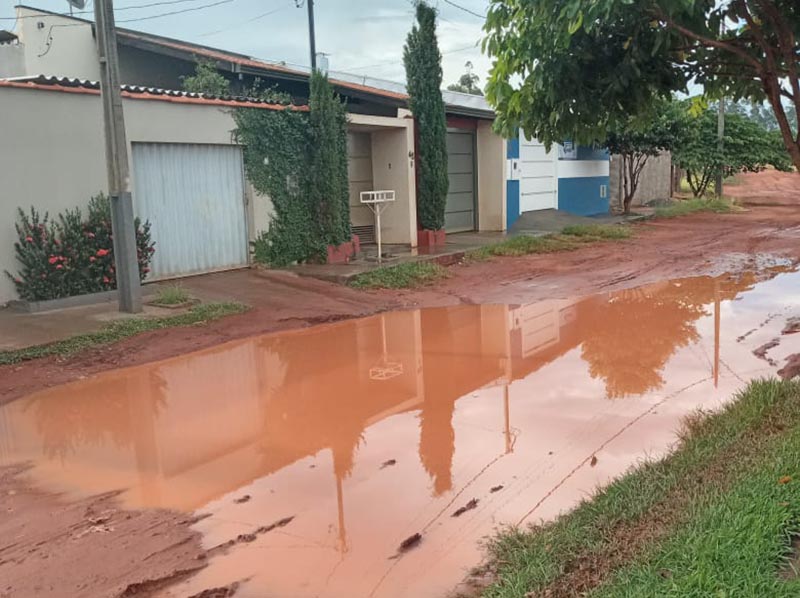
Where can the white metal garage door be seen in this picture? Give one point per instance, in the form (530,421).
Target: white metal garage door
(459,212)
(359,176)
(538,188)
(193,195)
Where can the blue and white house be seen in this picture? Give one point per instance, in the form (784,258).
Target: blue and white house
(570,178)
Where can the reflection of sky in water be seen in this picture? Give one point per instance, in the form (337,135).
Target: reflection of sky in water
(520,396)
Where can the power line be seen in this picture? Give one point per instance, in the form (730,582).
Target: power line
(91,12)
(175,12)
(369,66)
(465,9)
(242,23)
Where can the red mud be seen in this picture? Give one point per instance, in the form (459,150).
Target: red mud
(58,546)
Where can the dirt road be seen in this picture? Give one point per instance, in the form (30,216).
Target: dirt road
(92,547)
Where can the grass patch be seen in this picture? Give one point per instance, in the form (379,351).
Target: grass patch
(690,206)
(401,276)
(715,518)
(569,239)
(171,295)
(121,329)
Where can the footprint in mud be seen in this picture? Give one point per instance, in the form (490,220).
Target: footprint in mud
(388,463)
(467,507)
(792,367)
(497,488)
(242,499)
(792,326)
(407,544)
(248,537)
(761,352)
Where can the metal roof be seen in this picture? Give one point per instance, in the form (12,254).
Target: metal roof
(375,89)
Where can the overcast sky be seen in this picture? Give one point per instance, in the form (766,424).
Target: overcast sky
(362,36)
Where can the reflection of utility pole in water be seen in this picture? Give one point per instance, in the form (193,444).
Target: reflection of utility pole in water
(343,546)
(716,333)
(506,410)
(141,397)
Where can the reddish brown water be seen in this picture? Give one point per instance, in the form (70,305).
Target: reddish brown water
(372,430)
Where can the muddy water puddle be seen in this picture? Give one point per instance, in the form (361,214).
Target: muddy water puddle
(369,457)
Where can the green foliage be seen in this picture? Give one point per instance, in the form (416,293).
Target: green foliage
(689,206)
(74,255)
(207,80)
(639,137)
(747,147)
(276,156)
(467,83)
(401,276)
(570,239)
(577,69)
(299,161)
(423,64)
(327,187)
(121,329)
(711,519)
(172,295)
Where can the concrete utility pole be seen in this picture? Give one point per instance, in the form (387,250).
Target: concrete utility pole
(720,142)
(311,37)
(119,184)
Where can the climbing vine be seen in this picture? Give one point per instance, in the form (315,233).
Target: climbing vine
(299,160)
(423,63)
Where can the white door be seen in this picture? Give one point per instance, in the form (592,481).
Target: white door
(193,196)
(538,187)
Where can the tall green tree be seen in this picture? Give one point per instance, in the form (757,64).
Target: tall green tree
(586,65)
(748,147)
(423,63)
(328,183)
(207,80)
(639,138)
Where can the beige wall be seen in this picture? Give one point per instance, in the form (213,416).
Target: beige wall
(57,158)
(393,168)
(491,178)
(71,51)
(12,60)
(654,183)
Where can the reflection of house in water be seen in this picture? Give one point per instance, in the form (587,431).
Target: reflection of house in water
(185,431)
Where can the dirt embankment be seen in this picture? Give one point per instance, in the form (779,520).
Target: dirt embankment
(54,547)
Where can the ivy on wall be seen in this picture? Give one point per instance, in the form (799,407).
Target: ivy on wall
(328,185)
(423,63)
(299,160)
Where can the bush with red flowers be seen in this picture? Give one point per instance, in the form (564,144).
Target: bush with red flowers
(74,255)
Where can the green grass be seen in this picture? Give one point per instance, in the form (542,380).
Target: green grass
(690,206)
(405,275)
(121,329)
(171,295)
(570,238)
(715,518)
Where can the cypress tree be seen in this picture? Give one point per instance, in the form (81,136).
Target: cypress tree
(423,63)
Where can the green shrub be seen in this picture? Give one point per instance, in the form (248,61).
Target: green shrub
(409,274)
(689,206)
(74,255)
(172,295)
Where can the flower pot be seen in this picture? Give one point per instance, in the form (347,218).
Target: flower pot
(431,238)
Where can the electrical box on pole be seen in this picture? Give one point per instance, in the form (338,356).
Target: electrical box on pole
(119,185)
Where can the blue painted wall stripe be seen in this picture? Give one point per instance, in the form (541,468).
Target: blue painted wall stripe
(582,195)
(512,148)
(512,203)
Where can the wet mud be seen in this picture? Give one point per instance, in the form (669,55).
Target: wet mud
(378,452)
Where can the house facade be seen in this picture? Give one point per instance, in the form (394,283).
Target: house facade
(187,168)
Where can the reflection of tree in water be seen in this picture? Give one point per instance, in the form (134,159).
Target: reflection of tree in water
(96,412)
(629,336)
